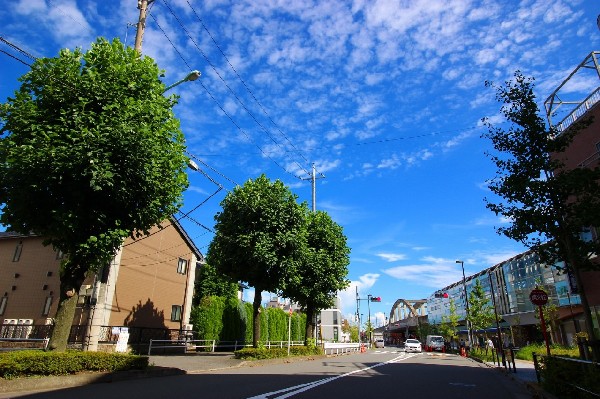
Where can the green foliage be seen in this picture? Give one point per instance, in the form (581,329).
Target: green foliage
(484,354)
(547,203)
(259,238)
(273,353)
(209,282)
(526,352)
(481,311)
(561,377)
(89,131)
(449,326)
(229,319)
(324,267)
(27,363)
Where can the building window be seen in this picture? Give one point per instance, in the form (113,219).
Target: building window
(18,250)
(3,302)
(47,306)
(335,334)
(182,266)
(176,313)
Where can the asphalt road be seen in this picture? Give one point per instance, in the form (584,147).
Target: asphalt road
(376,374)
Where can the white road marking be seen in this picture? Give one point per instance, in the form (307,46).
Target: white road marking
(291,391)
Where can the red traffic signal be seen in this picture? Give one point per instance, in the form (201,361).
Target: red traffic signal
(441,295)
(375,299)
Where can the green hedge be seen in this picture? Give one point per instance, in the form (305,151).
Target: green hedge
(561,377)
(26,363)
(229,319)
(273,353)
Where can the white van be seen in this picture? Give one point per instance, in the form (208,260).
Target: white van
(434,343)
(379,343)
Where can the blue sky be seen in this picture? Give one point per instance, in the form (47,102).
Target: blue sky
(384,97)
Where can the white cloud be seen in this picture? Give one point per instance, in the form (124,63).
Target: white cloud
(433,272)
(391,257)
(363,285)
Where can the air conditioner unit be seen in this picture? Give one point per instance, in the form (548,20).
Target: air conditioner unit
(188,327)
(49,321)
(27,322)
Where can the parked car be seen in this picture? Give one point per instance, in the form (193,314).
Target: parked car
(412,345)
(379,343)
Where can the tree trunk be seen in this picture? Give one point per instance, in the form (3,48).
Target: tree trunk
(256,320)
(310,325)
(63,320)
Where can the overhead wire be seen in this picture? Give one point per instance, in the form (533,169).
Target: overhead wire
(244,106)
(245,85)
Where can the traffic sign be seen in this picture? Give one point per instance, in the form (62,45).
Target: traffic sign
(538,297)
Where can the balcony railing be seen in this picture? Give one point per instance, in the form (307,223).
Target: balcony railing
(578,112)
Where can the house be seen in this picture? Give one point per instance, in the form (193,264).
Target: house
(148,285)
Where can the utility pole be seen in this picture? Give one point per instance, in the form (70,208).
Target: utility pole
(313,179)
(141,25)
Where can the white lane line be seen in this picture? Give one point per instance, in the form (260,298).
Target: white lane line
(291,391)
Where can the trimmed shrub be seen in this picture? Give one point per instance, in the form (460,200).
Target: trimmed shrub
(274,353)
(27,363)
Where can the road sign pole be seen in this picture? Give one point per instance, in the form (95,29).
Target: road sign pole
(543,322)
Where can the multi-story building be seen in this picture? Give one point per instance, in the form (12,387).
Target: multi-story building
(149,283)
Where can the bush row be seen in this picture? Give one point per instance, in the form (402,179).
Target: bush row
(229,319)
(29,362)
(273,353)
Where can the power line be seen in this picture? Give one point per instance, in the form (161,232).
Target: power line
(245,85)
(232,92)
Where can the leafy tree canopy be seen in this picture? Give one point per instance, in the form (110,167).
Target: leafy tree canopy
(260,237)
(324,268)
(90,152)
(209,282)
(547,204)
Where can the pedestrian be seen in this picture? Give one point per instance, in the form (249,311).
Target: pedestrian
(490,344)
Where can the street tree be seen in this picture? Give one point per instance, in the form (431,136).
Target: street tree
(210,282)
(449,326)
(322,274)
(91,153)
(260,236)
(548,205)
(481,312)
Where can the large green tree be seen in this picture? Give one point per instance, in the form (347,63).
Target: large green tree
(323,270)
(548,205)
(91,153)
(449,326)
(260,236)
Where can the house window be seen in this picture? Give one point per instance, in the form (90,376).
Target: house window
(182,266)
(18,250)
(3,302)
(176,313)
(47,306)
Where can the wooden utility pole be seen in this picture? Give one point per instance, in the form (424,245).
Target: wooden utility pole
(141,25)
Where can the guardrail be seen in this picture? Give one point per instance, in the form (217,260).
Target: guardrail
(331,348)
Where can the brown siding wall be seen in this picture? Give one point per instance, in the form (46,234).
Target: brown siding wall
(148,283)
(27,300)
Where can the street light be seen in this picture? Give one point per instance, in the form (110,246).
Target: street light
(189,78)
(462,265)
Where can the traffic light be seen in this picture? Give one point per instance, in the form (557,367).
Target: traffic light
(441,295)
(375,299)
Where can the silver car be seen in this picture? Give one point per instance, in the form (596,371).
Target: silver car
(412,345)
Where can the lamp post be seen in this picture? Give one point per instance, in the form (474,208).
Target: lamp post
(462,265)
(189,78)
